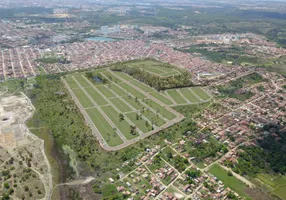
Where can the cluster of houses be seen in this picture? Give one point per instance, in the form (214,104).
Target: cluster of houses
(213,189)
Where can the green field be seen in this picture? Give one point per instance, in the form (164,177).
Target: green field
(122,94)
(120,105)
(83,99)
(96,96)
(142,86)
(105,129)
(154,118)
(72,83)
(131,90)
(140,123)
(123,125)
(276,183)
(281,192)
(160,109)
(201,93)
(117,90)
(161,97)
(176,96)
(155,67)
(105,91)
(82,81)
(229,181)
(189,95)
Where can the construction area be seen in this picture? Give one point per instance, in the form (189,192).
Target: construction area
(25,170)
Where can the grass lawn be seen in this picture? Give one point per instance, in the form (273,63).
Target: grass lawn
(201,93)
(156,70)
(96,96)
(229,181)
(71,82)
(142,86)
(105,129)
(117,90)
(82,80)
(281,192)
(120,105)
(167,114)
(124,76)
(131,101)
(123,125)
(267,179)
(105,91)
(154,118)
(176,96)
(140,123)
(132,91)
(171,73)
(189,95)
(111,77)
(161,97)
(83,99)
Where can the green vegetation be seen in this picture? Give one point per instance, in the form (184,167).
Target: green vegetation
(107,132)
(234,54)
(174,159)
(176,96)
(53,60)
(152,79)
(235,89)
(229,181)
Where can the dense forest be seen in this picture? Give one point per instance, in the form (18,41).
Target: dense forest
(269,156)
(157,82)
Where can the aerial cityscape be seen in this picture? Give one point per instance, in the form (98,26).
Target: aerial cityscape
(142,100)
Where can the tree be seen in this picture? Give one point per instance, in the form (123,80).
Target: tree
(6,185)
(121,117)
(133,130)
(170,155)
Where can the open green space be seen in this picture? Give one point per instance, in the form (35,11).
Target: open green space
(83,99)
(160,109)
(111,77)
(124,76)
(139,122)
(161,97)
(71,82)
(170,73)
(229,181)
(117,90)
(105,91)
(189,95)
(267,179)
(131,90)
(201,93)
(154,70)
(105,129)
(120,105)
(150,74)
(122,125)
(96,96)
(142,86)
(82,81)
(135,104)
(281,192)
(154,118)
(176,96)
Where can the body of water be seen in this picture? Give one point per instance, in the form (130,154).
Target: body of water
(102,39)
